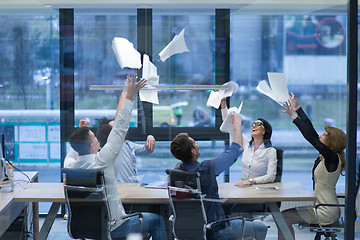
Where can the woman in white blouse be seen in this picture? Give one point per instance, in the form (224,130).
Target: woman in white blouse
(259,157)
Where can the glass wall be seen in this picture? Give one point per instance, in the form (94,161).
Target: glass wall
(311,51)
(195,67)
(309,48)
(29,90)
(95,62)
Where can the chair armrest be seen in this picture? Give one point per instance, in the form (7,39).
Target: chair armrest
(83,189)
(328,205)
(209,225)
(113,222)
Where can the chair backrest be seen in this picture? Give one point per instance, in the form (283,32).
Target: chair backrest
(86,200)
(189,217)
(279,165)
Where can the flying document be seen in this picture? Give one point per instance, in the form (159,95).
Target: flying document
(125,53)
(278,91)
(177,45)
(216,96)
(149,72)
(227,126)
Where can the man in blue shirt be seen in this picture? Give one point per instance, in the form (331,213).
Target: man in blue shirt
(125,163)
(184,148)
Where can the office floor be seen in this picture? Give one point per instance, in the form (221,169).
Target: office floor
(59,231)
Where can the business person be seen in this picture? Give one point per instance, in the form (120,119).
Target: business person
(326,170)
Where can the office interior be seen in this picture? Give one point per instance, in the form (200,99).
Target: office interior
(52,51)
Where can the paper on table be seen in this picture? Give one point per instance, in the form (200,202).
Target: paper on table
(278,91)
(149,72)
(177,45)
(159,184)
(227,125)
(216,96)
(125,53)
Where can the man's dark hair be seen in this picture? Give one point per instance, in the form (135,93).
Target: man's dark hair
(80,140)
(103,131)
(181,147)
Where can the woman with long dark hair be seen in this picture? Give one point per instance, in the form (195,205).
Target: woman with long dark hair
(258,164)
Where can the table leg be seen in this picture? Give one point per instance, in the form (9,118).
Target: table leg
(35,212)
(36,219)
(279,220)
(49,220)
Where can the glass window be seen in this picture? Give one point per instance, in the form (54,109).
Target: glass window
(196,67)
(30,93)
(95,62)
(311,51)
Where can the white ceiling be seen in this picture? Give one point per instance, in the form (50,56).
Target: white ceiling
(242,6)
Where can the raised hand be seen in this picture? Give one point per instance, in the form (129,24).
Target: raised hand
(83,123)
(133,86)
(236,120)
(289,109)
(294,101)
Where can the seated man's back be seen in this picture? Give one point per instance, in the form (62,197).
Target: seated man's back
(185,149)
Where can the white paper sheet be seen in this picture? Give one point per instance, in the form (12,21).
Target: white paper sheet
(278,91)
(149,72)
(125,53)
(227,125)
(177,45)
(216,96)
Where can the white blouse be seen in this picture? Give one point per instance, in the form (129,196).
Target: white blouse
(259,165)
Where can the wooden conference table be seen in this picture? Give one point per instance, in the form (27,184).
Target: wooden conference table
(132,193)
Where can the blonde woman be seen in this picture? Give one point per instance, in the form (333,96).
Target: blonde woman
(326,170)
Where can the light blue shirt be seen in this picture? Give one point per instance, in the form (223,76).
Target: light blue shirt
(125,163)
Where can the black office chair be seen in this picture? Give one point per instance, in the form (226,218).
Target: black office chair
(86,200)
(189,219)
(279,164)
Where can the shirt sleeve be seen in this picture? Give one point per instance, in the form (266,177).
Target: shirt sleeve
(307,130)
(117,135)
(271,169)
(227,158)
(139,149)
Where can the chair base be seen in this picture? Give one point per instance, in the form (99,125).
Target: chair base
(326,232)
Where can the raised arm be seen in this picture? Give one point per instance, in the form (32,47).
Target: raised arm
(117,135)
(306,128)
(236,121)
(224,109)
(144,149)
